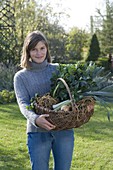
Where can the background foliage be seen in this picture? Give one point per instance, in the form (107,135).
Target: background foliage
(21,16)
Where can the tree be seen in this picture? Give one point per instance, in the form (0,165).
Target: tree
(25,20)
(76,41)
(107,31)
(94,50)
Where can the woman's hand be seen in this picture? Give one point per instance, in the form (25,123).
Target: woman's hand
(43,123)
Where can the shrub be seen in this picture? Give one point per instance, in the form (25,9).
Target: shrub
(7,97)
(6,76)
(94,51)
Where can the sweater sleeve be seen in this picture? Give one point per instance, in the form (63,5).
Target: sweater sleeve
(23,99)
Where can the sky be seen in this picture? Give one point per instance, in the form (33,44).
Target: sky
(79,11)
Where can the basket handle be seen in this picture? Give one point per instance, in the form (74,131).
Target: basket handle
(68,90)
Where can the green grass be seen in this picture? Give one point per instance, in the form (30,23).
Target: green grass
(93,142)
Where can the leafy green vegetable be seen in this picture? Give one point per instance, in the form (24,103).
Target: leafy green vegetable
(83,79)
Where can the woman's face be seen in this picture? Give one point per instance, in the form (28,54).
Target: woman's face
(38,53)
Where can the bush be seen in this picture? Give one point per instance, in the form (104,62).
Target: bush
(6,77)
(7,97)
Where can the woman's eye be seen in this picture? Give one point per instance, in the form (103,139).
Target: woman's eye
(42,48)
(33,49)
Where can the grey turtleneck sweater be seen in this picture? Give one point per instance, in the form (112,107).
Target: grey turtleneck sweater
(28,82)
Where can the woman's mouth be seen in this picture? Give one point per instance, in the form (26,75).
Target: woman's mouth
(39,57)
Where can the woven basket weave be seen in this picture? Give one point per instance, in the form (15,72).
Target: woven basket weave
(80,114)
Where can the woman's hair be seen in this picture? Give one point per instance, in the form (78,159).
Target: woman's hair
(30,42)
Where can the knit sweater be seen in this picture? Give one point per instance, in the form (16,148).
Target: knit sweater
(28,82)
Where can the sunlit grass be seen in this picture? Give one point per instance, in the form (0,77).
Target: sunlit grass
(93,141)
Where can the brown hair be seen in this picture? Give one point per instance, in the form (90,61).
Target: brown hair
(30,42)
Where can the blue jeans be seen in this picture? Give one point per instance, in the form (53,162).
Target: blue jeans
(40,145)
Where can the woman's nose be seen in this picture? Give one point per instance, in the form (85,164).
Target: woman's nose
(38,52)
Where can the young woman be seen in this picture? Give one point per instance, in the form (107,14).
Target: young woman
(35,78)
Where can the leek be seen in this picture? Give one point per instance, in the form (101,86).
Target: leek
(59,105)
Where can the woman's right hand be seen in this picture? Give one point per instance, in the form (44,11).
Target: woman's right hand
(43,123)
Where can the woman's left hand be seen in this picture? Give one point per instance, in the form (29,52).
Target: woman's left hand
(43,123)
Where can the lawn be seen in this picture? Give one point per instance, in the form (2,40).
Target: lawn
(93,141)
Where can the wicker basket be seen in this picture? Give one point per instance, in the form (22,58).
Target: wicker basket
(80,114)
